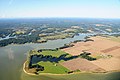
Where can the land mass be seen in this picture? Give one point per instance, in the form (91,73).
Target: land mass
(83,56)
(21,31)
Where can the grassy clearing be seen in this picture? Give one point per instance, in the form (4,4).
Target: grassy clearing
(49,66)
(53,68)
(56,53)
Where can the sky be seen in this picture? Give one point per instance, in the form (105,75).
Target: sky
(60,8)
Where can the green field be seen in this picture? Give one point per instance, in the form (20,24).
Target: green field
(56,53)
(53,68)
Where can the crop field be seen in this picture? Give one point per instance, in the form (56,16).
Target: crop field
(95,47)
(112,64)
(108,49)
(82,65)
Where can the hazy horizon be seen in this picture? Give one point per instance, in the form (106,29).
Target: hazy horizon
(59,9)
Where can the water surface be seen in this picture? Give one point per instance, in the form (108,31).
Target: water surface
(13,56)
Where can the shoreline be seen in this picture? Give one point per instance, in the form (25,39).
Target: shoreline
(29,43)
(107,72)
(35,42)
(44,42)
(25,70)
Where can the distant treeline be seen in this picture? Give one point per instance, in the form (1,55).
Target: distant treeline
(21,40)
(40,50)
(66,46)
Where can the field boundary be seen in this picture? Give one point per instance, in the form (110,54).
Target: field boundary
(106,72)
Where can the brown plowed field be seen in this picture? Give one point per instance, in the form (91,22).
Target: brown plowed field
(110,49)
(82,65)
(100,46)
(108,64)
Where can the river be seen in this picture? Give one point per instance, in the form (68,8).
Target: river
(13,56)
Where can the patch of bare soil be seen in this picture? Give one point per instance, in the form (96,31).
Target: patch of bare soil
(82,65)
(100,46)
